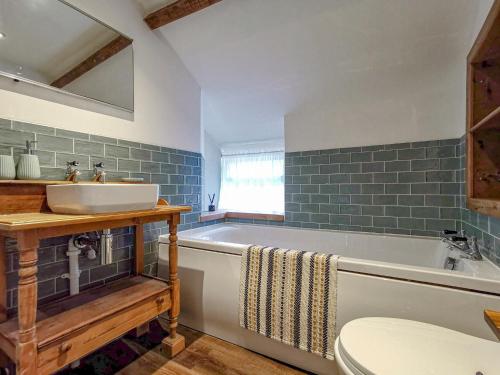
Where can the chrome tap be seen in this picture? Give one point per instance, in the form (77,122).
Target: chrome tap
(99,173)
(72,171)
(466,244)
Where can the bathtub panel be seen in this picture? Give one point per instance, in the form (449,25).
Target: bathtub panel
(210,294)
(363,296)
(209,303)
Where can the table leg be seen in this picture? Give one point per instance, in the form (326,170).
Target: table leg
(3,281)
(174,343)
(26,353)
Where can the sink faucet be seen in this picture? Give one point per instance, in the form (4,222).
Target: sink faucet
(466,244)
(72,171)
(99,173)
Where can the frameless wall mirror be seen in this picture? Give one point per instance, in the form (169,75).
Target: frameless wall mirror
(52,44)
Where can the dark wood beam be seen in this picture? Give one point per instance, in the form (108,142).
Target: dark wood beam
(106,52)
(175,11)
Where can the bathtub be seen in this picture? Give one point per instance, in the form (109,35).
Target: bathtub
(378,275)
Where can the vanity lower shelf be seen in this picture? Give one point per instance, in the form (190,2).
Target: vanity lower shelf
(73,327)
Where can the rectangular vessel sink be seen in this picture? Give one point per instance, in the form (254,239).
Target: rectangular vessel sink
(84,198)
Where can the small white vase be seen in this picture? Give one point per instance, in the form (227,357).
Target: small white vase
(28,167)
(7,167)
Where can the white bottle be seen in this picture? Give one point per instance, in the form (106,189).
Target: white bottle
(7,167)
(28,167)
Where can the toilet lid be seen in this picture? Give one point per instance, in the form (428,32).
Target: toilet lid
(396,346)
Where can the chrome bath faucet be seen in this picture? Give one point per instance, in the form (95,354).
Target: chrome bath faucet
(460,241)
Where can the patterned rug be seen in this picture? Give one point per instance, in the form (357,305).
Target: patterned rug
(118,354)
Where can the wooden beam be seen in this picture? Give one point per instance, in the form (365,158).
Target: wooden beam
(175,11)
(106,52)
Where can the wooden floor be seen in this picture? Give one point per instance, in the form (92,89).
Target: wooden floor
(204,355)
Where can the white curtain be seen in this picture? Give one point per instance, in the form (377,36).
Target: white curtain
(253,182)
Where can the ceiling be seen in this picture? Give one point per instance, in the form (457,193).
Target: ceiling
(149,6)
(258,61)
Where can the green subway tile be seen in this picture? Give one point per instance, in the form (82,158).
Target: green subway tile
(411,154)
(425,212)
(385,155)
(139,154)
(15,138)
(385,222)
(129,143)
(27,127)
(72,134)
(5,123)
(55,174)
(425,165)
(385,199)
(129,165)
(150,147)
(440,152)
(397,211)
(101,139)
(165,158)
(116,151)
(150,167)
(50,143)
(89,148)
(440,200)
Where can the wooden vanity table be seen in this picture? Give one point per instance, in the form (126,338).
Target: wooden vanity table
(43,340)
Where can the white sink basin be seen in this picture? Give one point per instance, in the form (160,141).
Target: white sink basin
(84,198)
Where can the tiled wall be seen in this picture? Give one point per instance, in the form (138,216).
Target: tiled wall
(178,173)
(485,228)
(409,188)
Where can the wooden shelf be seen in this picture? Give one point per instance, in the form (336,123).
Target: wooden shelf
(73,327)
(488,122)
(489,207)
(493,319)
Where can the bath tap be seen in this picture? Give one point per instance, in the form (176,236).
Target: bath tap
(99,173)
(72,171)
(467,245)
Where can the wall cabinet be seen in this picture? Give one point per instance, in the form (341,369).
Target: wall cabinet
(483,118)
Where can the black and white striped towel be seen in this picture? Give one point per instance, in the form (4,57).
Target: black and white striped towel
(290,296)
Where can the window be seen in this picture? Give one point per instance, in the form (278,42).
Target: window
(253,182)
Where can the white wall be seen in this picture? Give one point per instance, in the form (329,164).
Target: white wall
(167,98)
(401,102)
(211,171)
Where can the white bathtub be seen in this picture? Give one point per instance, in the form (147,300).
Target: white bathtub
(379,275)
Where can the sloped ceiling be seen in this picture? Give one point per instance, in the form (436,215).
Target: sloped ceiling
(150,6)
(260,60)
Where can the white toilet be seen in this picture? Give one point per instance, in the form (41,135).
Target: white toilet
(387,346)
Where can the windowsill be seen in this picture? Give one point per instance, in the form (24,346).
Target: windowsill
(224,214)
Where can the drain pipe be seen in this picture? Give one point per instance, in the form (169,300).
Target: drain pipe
(74,268)
(106,247)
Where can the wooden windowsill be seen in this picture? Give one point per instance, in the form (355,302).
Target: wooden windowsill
(223,214)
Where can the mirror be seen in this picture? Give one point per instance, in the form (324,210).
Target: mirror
(50,43)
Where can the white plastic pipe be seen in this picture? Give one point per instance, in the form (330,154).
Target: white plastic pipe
(74,268)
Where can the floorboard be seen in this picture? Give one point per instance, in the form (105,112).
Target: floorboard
(204,355)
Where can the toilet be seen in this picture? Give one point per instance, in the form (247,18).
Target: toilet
(387,346)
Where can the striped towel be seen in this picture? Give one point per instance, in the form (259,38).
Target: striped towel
(290,296)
